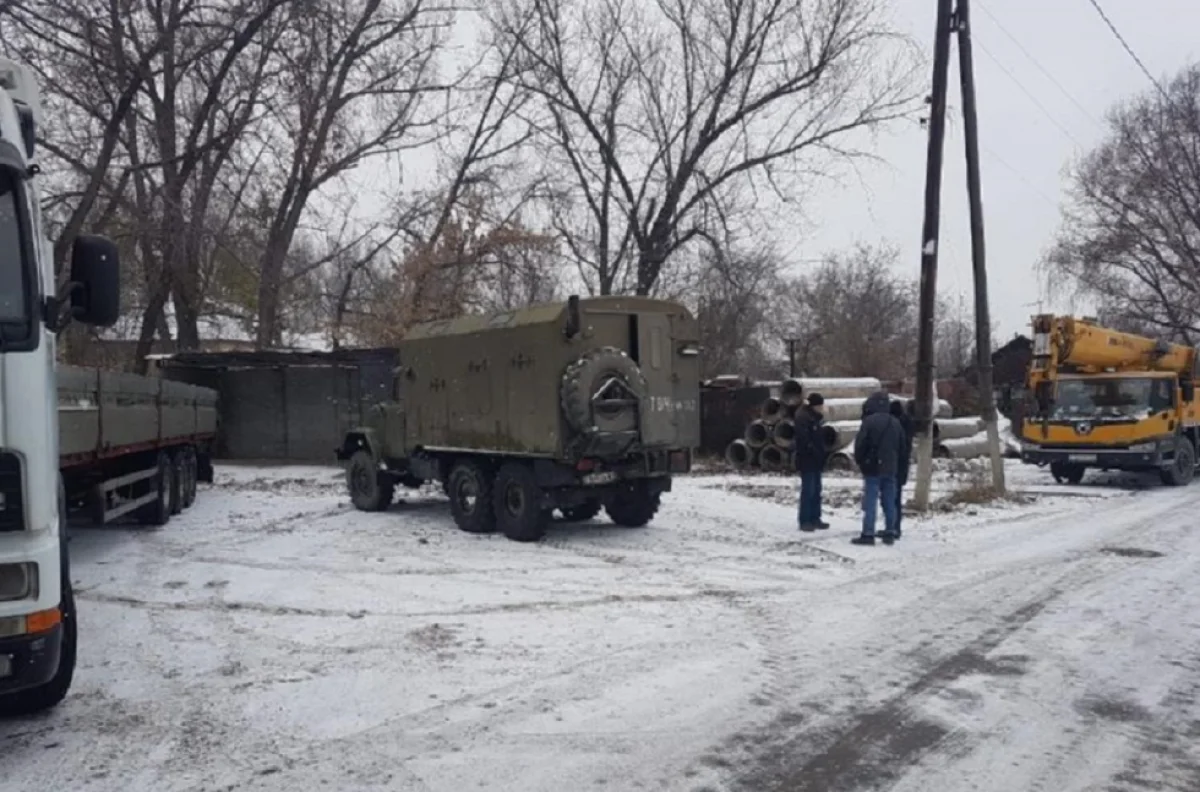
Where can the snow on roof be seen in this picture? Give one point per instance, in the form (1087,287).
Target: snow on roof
(226,325)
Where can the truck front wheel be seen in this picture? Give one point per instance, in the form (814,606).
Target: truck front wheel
(1065,473)
(633,506)
(1184,469)
(368,490)
(518,503)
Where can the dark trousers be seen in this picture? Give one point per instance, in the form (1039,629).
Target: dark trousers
(810,497)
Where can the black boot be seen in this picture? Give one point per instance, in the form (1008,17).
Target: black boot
(863,540)
(822,525)
(807,527)
(888,538)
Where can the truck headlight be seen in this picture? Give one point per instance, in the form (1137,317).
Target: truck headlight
(18,581)
(1143,448)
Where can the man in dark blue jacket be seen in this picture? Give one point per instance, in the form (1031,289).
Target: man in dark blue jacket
(810,453)
(902,413)
(877,454)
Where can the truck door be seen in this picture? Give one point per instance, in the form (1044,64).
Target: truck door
(655,348)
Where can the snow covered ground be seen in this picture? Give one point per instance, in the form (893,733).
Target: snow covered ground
(273,639)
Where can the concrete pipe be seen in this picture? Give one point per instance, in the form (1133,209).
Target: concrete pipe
(739,455)
(966,447)
(772,458)
(956,428)
(785,433)
(758,434)
(844,434)
(841,462)
(772,410)
(840,387)
(791,392)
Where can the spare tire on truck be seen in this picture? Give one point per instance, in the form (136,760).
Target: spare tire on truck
(602,390)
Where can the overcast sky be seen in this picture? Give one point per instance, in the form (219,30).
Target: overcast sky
(1024,147)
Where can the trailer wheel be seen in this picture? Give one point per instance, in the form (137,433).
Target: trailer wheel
(178,474)
(158,511)
(1184,469)
(470,489)
(189,477)
(633,506)
(369,490)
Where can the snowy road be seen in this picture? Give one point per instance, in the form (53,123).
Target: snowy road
(271,639)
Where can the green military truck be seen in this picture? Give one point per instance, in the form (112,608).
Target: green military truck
(575,406)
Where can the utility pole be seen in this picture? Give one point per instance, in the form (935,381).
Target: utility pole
(983,323)
(929,254)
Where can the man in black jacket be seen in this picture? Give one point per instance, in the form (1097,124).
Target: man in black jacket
(810,453)
(902,413)
(877,454)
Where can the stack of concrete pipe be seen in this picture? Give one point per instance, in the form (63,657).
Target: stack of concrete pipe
(768,440)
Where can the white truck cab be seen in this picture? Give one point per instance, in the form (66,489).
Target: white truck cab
(37,615)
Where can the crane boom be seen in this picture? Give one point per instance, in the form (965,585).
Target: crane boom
(1088,347)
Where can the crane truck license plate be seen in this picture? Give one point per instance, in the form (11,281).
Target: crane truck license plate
(606,477)
(1082,457)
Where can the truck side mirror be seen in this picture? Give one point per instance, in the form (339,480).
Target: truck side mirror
(574,322)
(95,281)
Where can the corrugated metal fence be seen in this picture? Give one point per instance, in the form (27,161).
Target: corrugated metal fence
(287,407)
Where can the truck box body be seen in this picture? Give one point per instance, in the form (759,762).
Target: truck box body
(105,414)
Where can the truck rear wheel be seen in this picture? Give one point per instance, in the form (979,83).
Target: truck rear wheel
(518,503)
(582,512)
(633,506)
(1184,469)
(369,491)
(158,511)
(470,491)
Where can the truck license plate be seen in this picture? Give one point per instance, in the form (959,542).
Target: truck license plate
(5,666)
(1082,457)
(607,477)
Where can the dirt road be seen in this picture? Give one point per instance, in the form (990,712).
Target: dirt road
(270,639)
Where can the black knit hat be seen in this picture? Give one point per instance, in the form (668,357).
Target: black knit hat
(815,400)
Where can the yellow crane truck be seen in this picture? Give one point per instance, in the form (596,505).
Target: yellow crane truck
(1107,400)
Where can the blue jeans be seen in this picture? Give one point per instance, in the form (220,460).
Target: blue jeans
(810,497)
(879,490)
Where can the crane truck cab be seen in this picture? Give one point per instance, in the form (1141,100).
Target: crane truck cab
(1104,399)
(37,615)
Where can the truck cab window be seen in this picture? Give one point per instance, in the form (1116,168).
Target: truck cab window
(12,253)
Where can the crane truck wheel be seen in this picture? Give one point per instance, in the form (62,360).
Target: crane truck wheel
(1184,469)
(1065,473)
(633,506)
(601,390)
(517,501)
(48,695)
(158,511)
(369,491)
(470,491)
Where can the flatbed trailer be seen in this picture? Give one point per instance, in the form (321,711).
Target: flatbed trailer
(133,446)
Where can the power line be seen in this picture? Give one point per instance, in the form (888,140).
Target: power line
(1029,94)
(1125,44)
(1037,63)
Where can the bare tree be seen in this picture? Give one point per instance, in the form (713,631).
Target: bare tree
(736,295)
(665,112)
(355,77)
(1130,234)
